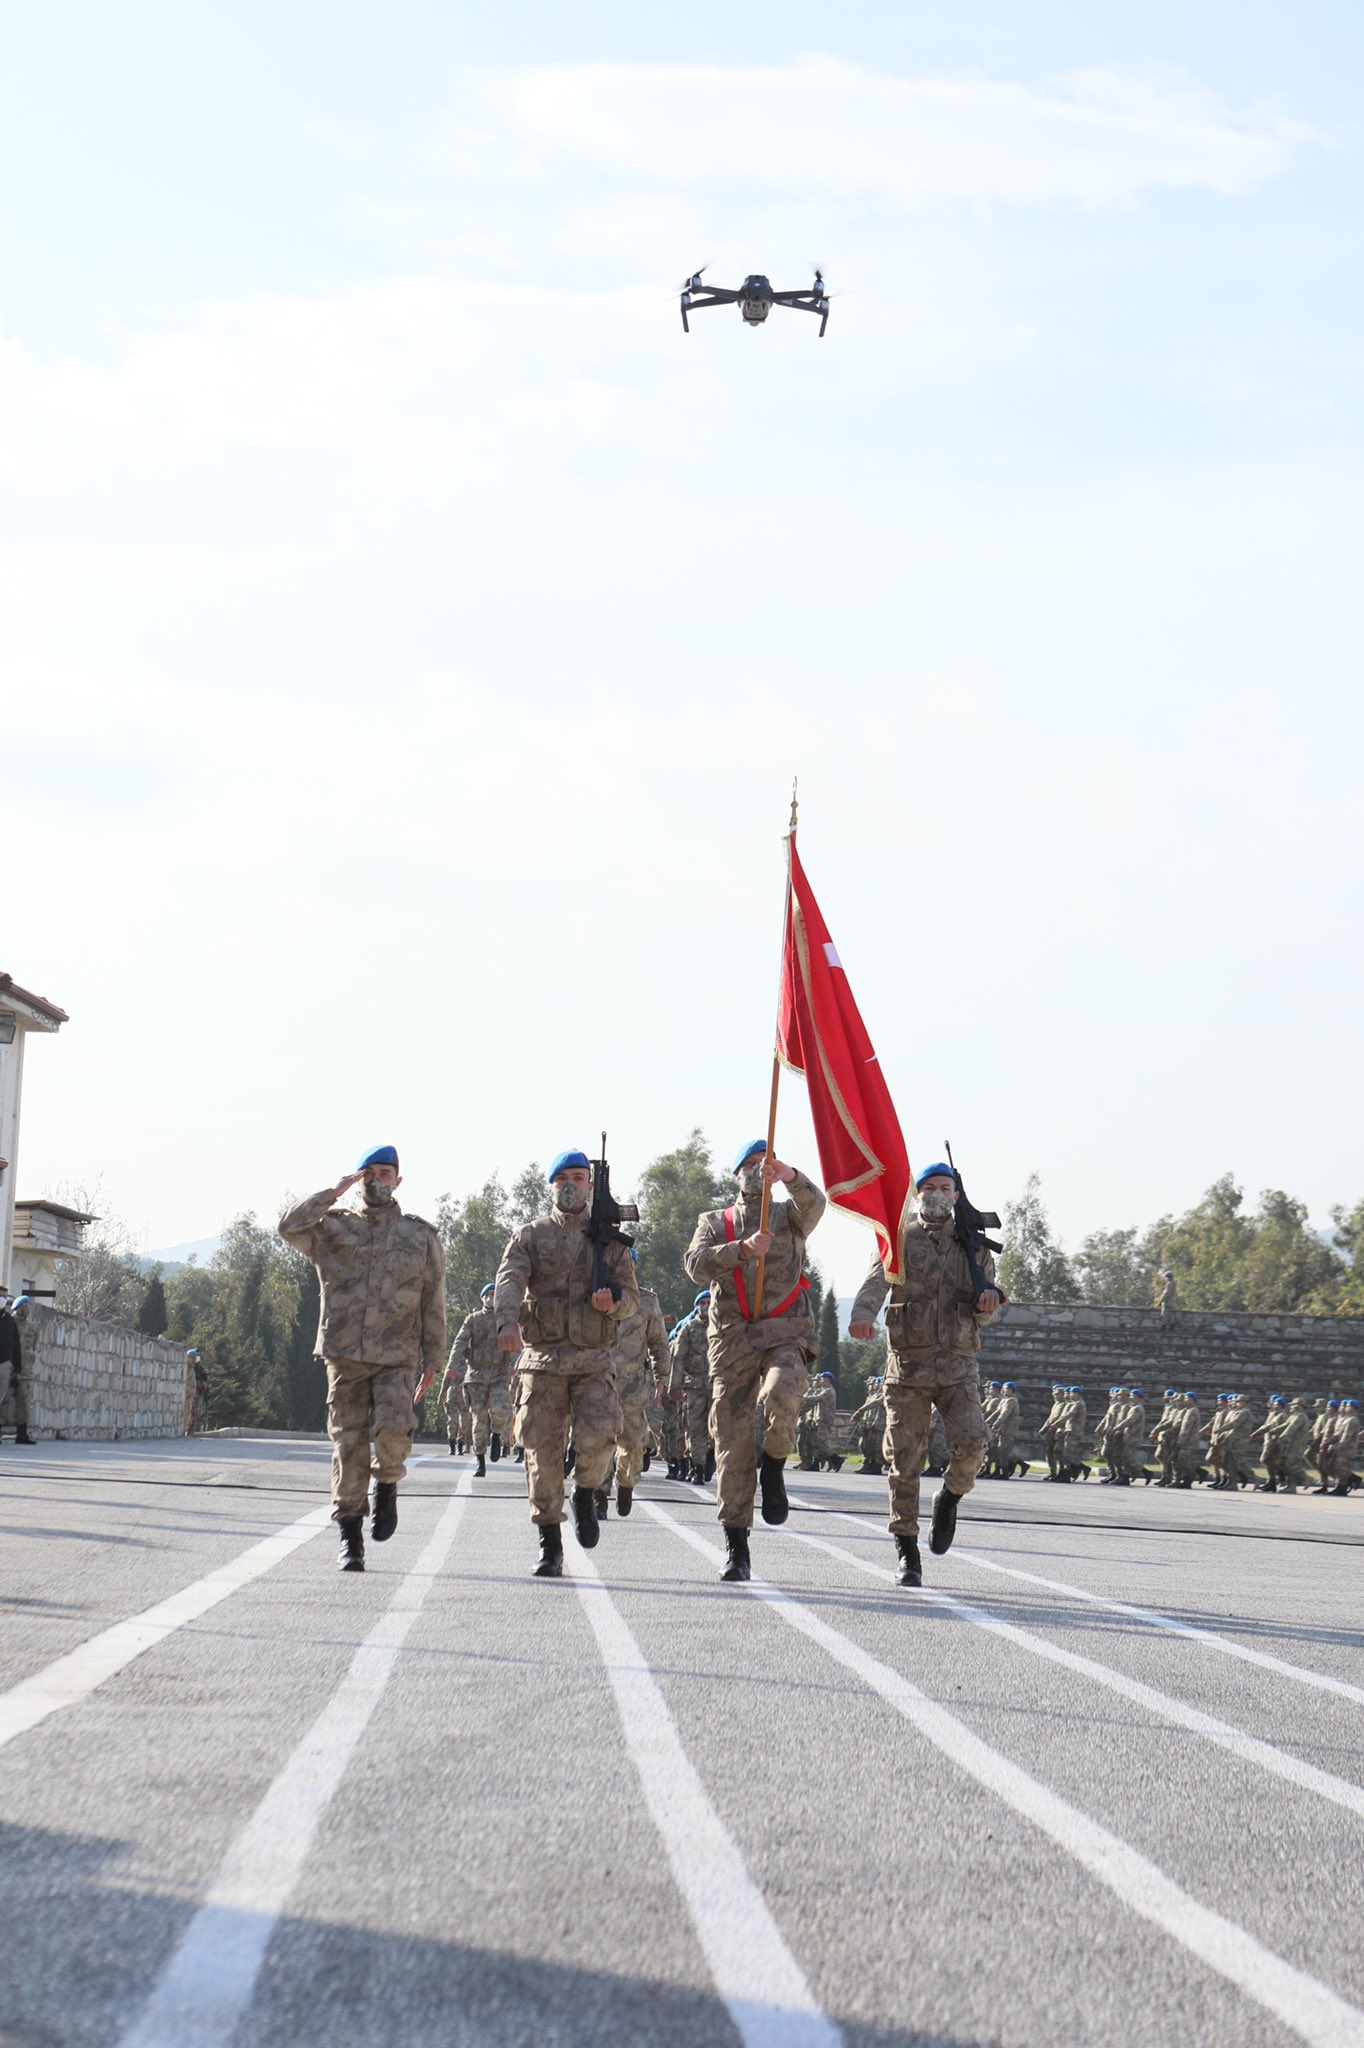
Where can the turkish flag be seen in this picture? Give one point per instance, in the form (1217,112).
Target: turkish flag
(820,1034)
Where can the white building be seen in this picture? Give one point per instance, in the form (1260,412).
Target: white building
(20,1013)
(46,1234)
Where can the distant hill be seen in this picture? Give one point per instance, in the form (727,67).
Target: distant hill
(201,1248)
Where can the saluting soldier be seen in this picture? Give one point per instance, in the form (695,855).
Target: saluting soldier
(756,1352)
(933,1323)
(382,1276)
(544,1299)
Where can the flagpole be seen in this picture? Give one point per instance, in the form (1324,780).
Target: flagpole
(765,1209)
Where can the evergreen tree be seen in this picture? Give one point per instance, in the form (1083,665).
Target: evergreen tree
(828,1336)
(151,1316)
(1033,1266)
(673,1191)
(1111,1268)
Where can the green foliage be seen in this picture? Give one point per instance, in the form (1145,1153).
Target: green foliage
(856,1359)
(1266,1261)
(474,1233)
(674,1189)
(151,1316)
(1349,1243)
(1033,1266)
(1111,1268)
(827,1327)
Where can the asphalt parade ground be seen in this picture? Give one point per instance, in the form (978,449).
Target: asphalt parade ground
(1101,1781)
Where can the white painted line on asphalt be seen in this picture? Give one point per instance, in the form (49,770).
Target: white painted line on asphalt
(74,1676)
(1250,1748)
(1303,1673)
(208,1982)
(760,1981)
(1309,2008)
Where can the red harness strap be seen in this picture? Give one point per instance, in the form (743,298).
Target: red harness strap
(802,1285)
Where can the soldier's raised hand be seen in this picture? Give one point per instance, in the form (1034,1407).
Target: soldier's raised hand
(773,1169)
(346,1181)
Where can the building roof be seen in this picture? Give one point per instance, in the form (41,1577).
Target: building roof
(10,987)
(55,1209)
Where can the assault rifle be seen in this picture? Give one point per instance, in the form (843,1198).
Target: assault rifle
(603,1225)
(969,1226)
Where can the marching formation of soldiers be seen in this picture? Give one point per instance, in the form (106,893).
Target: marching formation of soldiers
(567,1366)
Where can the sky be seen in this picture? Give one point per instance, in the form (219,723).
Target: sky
(410,636)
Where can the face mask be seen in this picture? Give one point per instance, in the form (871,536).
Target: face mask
(935,1206)
(751,1181)
(569,1198)
(378,1194)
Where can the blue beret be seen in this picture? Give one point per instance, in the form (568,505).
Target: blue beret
(1277,1401)
(487,1288)
(1190,1395)
(1333,1404)
(381,1155)
(1137,1390)
(827,1376)
(1075,1390)
(1351,1403)
(938,1166)
(1170,1393)
(567,1159)
(745,1153)
(1010,1387)
(700,1298)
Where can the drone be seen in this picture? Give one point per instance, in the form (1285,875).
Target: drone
(755,299)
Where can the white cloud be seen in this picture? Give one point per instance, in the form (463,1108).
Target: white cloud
(1096,138)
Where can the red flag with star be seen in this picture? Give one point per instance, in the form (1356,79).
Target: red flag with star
(820,1034)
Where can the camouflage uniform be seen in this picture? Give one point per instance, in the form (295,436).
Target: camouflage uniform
(1070,1436)
(867,1428)
(1004,1434)
(567,1370)
(641,1344)
(821,1404)
(485,1369)
(196,1396)
(1188,1443)
(1343,1448)
(1132,1422)
(689,1379)
(1292,1445)
(1238,1437)
(751,1359)
(1048,1428)
(383,1322)
(932,1338)
(13,1366)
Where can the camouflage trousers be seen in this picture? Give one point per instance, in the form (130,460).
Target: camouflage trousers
(18,1388)
(696,1406)
(489,1403)
(547,1406)
(458,1421)
(909,1416)
(777,1378)
(367,1404)
(674,1431)
(634,1435)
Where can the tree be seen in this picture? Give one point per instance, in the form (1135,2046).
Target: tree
(474,1233)
(1111,1268)
(673,1191)
(1349,1243)
(827,1327)
(1033,1267)
(151,1317)
(857,1359)
(105,1282)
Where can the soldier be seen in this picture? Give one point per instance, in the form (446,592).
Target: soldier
(1047,1430)
(1215,1429)
(1108,1437)
(1167,1302)
(1238,1437)
(1344,1446)
(1188,1442)
(937,1451)
(1004,1432)
(755,1355)
(1164,1434)
(1292,1446)
(933,1325)
(196,1391)
(1070,1437)
(868,1427)
(569,1328)
(689,1383)
(642,1368)
(825,1402)
(12,1373)
(1319,1443)
(1134,1436)
(478,1361)
(382,1276)
(1268,1434)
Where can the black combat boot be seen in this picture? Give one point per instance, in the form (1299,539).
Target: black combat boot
(911,1572)
(625,1498)
(551,1565)
(738,1566)
(21,1436)
(708,1470)
(776,1507)
(603,1500)
(835,1463)
(385,1519)
(944,1520)
(648,1459)
(454,1448)
(481,1468)
(585,1517)
(351,1556)
(495,1448)
(1268,1486)
(519,1455)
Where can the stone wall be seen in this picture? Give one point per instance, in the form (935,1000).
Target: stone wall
(1208,1352)
(95,1381)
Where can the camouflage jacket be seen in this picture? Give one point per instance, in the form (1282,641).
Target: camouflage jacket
(712,1260)
(1345,1434)
(544,1283)
(932,1323)
(821,1401)
(476,1356)
(1005,1420)
(689,1354)
(383,1281)
(641,1342)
